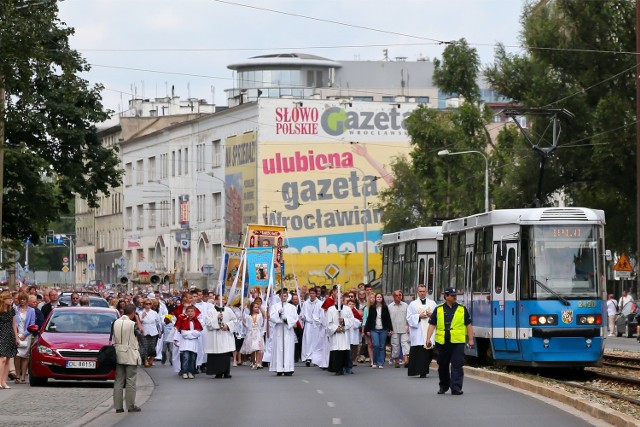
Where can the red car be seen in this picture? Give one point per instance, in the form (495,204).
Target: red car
(67,345)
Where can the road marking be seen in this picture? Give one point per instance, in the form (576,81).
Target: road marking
(305,381)
(337,421)
(331,404)
(320,391)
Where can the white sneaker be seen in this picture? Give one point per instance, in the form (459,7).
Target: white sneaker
(191,376)
(610,335)
(185,376)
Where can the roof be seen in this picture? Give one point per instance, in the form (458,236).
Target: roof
(284,60)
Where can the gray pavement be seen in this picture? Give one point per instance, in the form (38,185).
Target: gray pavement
(253,396)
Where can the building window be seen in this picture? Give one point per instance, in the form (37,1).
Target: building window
(363,98)
(128,221)
(173,163)
(422,99)
(179,162)
(200,206)
(216,154)
(216,206)
(139,217)
(200,157)
(388,99)
(152,215)
(164,213)
(164,166)
(151,176)
(128,174)
(139,172)
(186,161)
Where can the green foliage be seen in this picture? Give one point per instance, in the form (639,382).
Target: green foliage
(52,151)
(573,63)
(458,71)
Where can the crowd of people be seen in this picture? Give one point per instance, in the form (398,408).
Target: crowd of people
(198,332)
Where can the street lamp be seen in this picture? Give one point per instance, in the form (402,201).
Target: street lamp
(486,171)
(365,247)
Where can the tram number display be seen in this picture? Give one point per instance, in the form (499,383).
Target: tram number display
(567,232)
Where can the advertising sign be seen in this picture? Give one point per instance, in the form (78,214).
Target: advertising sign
(240,185)
(321,167)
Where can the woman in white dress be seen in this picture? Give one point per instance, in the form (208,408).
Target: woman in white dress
(25,317)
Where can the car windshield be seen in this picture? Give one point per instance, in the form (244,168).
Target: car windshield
(76,322)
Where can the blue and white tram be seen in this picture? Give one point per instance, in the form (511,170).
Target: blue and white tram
(409,258)
(533,280)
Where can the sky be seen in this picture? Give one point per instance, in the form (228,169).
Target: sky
(142,48)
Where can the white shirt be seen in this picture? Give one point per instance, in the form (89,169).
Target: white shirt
(150,322)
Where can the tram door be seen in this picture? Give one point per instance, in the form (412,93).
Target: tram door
(426,273)
(504,307)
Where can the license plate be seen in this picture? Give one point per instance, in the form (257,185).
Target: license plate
(81,364)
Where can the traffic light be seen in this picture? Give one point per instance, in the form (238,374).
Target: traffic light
(50,237)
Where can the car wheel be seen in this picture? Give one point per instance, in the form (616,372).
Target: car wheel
(36,381)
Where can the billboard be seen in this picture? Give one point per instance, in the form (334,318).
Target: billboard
(240,185)
(321,166)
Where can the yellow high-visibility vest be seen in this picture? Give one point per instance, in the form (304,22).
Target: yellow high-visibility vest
(458,330)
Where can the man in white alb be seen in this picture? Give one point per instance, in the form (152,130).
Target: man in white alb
(283,317)
(418,315)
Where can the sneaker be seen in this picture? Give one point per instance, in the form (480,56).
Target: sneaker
(191,376)
(380,367)
(185,376)
(610,335)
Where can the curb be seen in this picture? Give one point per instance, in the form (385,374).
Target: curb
(580,405)
(104,414)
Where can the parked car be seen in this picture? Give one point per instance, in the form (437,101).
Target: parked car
(627,320)
(94,301)
(67,345)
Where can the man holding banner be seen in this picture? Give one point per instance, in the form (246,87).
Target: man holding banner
(283,317)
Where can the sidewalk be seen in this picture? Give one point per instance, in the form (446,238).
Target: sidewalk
(60,402)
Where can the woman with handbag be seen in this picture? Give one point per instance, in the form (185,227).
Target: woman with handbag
(25,317)
(8,336)
(151,328)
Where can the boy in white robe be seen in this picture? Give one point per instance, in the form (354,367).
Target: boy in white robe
(283,317)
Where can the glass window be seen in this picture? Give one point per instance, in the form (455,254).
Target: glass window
(422,99)
(511,270)
(388,98)
(497,282)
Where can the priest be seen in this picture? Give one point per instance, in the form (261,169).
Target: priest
(220,343)
(283,317)
(418,314)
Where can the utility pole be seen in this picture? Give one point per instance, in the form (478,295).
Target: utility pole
(266,212)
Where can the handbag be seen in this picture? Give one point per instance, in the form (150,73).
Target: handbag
(107,354)
(107,357)
(23,343)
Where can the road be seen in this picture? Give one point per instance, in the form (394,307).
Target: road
(370,397)
(312,397)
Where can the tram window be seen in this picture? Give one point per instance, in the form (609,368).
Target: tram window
(497,280)
(511,269)
(430,277)
(421,271)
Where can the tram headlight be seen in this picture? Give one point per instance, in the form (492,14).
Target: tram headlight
(543,319)
(589,319)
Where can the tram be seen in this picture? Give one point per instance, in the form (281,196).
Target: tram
(533,280)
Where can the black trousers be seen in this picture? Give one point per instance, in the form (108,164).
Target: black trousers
(450,366)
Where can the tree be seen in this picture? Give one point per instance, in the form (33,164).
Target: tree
(431,188)
(51,148)
(575,62)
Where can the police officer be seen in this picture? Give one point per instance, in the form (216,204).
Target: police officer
(452,324)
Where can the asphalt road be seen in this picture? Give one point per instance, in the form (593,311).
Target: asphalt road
(312,397)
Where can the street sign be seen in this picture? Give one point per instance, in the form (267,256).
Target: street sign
(332,271)
(623,264)
(122,262)
(65,269)
(65,260)
(91,266)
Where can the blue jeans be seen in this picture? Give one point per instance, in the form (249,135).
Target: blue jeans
(188,362)
(379,338)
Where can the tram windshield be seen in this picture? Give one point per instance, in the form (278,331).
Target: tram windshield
(563,262)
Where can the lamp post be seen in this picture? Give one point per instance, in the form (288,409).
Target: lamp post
(365,247)
(486,171)
(170,218)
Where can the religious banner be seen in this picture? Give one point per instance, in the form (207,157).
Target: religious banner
(232,267)
(268,236)
(259,267)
